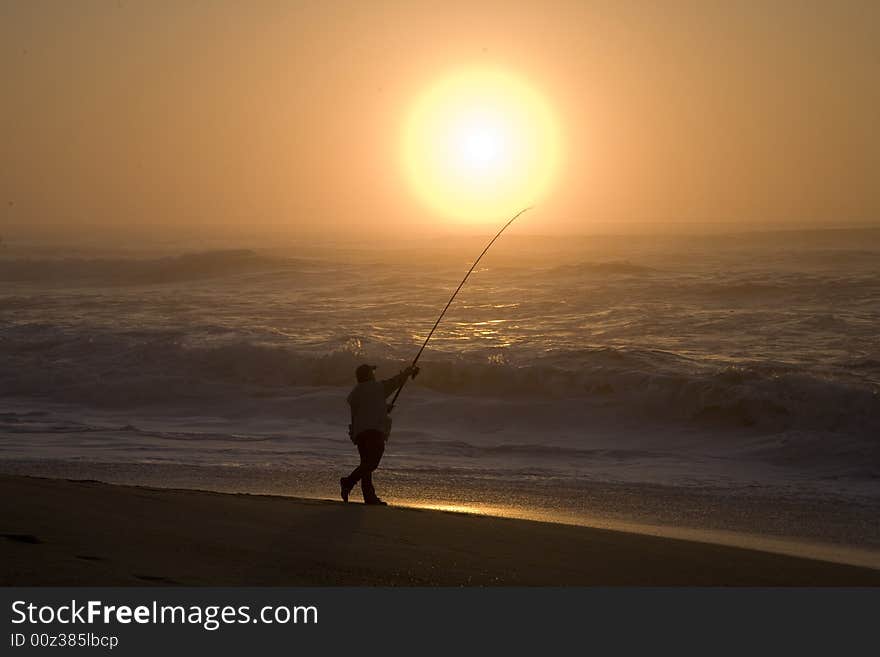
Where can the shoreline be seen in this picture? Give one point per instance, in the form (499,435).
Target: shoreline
(788,546)
(837,529)
(64,532)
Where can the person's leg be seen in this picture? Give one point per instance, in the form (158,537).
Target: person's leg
(374,448)
(356,474)
(367,486)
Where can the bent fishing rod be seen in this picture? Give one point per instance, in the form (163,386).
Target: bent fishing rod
(449,303)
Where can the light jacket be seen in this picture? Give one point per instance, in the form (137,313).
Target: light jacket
(369,411)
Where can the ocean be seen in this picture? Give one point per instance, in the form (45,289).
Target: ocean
(725,382)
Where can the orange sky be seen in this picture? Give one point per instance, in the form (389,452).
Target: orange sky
(283,119)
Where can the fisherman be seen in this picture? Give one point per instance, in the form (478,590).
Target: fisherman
(370,427)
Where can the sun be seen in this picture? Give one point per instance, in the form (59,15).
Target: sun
(480,144)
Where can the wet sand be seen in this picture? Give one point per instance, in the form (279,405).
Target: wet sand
(62,532)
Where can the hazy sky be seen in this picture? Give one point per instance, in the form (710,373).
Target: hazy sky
(283,119)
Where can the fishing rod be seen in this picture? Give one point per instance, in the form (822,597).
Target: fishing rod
(449,303)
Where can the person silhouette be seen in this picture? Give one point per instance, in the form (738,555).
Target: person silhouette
(370,427)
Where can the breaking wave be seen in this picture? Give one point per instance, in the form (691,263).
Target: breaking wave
(118,271)
(122,369)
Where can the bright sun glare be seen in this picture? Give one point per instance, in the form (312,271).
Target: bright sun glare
(480,144)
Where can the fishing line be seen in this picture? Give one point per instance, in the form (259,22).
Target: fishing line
(449,303)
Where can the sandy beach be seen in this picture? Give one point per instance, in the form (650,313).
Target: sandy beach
(62,532)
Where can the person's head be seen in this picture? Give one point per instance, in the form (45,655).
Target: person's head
(365,373)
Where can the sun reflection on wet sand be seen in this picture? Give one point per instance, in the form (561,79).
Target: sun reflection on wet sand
(779,545)
(471,509)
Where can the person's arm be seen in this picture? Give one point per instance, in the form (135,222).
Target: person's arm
(395,382)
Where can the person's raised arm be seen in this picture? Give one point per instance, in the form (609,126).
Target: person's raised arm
(395,382)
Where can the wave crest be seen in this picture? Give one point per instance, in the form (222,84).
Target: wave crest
(645,385)
(118,271)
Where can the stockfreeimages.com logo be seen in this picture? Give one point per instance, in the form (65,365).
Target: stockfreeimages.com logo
(209,617)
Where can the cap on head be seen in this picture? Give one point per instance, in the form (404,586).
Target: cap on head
(364,372)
